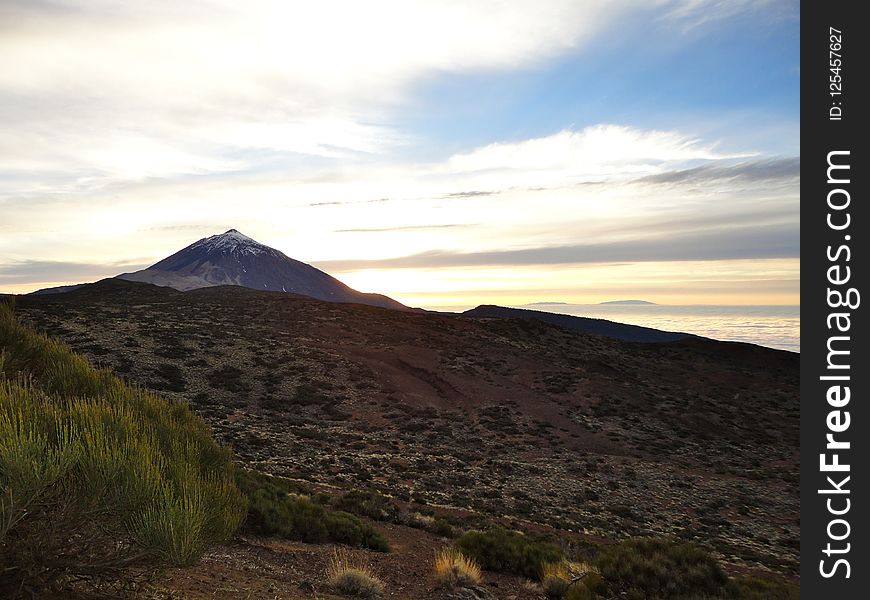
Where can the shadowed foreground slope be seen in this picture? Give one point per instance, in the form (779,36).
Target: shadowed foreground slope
(98,478)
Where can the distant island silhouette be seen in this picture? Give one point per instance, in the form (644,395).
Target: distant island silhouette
(627,302)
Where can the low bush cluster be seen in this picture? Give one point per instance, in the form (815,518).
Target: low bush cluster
(277,508)
(369,504)
(508,551)
(644,568)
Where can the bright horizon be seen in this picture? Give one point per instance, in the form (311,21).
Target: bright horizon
(440,153)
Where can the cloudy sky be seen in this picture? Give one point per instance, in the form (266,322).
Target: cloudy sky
(441,152)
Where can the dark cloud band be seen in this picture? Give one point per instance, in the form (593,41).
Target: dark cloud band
(745,243)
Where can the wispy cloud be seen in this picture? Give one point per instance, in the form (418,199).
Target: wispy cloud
(752,171)
(605,150)
(471,194)
(346,202)
(404,228)
(693,14)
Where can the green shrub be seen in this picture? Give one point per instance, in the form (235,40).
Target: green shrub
(649,568)
(434,525)
(174,529)
(440,527)
(171,378)
(276,508)
(508,551)
(96,476)
(566,580)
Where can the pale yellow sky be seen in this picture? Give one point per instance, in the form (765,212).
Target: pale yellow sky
(772,281)
(430,151)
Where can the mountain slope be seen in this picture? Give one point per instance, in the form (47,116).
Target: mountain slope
(233,258)
(59,289)
(612,329)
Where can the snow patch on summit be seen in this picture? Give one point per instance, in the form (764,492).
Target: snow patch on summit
(232,241)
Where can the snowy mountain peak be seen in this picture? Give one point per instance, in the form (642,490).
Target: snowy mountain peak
(231,240)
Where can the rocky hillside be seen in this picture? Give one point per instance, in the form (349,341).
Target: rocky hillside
(501,417)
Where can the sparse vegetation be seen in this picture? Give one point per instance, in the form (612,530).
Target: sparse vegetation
(96,476)
(453,569)
(508,551)
(229,378)
(351,577)
(376,506)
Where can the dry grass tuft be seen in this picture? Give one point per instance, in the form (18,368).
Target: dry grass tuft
(350,577)
(454,569)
